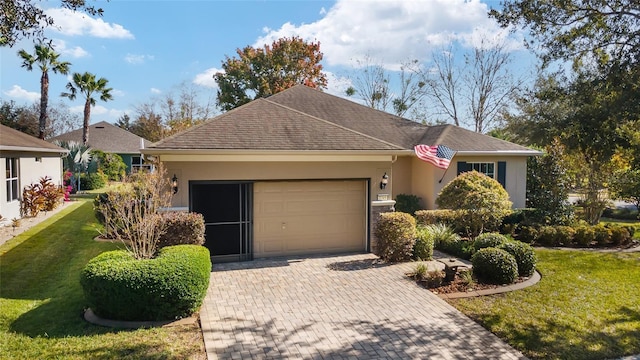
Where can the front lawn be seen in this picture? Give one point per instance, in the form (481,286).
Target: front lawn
(587,306)
(41,300)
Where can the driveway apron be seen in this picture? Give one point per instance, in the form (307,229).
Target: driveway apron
(335,307)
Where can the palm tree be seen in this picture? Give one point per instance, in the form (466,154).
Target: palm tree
(87,85)
(47,59)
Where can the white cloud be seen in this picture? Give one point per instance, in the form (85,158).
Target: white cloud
(137,59)
(99,113)
(78,23)
(391,31)
(117,92)
(18,92)
(155,91)
(205,78)
(337,85)
(75,52)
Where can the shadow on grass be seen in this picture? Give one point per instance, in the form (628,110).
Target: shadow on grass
(45,267)
(552,339)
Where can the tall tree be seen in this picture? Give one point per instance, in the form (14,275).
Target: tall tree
(373,84)
(26,19)
(260,72)
(88,86)
(577,30)
(47,60)
(474,94)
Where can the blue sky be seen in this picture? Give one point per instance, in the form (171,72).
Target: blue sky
(146,49)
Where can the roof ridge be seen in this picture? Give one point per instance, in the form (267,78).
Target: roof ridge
(350,101)
(334,124)
(443,134)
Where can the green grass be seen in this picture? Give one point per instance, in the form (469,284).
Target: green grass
(587,306)
(41,300)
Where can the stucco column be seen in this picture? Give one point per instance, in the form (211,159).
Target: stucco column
(377,208)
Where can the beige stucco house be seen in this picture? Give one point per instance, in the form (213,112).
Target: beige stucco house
(302,171)
(24,159)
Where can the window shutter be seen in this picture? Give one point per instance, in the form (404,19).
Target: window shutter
(502,173)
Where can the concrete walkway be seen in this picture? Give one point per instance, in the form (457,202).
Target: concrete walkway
(337,307)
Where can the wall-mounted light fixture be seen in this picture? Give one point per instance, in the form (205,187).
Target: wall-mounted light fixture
(174,183)
(384,181)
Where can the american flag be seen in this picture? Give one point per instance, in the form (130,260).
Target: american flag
(438,155)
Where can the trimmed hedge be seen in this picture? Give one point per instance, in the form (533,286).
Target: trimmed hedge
(443,216)
(494,266)
(486,240)
(423,248)
(92,181)
(582,235)
(396,235)
(170,286)
(182,228)
(524,255)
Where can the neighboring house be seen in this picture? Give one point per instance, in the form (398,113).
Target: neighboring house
(112,139)
(24,160)
(301,172)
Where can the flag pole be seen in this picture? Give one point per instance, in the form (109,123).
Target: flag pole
(447,169)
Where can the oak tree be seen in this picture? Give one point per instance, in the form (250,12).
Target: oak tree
(263,71)
(26,19)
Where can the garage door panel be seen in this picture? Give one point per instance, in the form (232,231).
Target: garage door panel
(309,217)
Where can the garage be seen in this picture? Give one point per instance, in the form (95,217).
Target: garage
(307,217)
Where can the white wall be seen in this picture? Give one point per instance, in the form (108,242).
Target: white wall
(30,171)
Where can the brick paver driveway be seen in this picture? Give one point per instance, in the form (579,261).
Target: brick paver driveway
(338,307)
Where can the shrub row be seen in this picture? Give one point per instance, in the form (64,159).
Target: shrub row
(582,235)
(92,181)
(170,286)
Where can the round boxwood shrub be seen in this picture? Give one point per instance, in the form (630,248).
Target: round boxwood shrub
(524,255)
(423,248)
(494,266)
(486,240)
(482,199)
(396,234)
(169,286)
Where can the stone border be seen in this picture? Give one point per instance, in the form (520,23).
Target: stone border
(534,279)
(91,317)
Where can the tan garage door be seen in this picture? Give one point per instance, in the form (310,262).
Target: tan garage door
(306,217)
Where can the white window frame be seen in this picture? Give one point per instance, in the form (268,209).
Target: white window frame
(13,179)
(478,166)
(139,165)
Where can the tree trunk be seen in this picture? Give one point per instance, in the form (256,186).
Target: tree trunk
(44,99)
(85,125)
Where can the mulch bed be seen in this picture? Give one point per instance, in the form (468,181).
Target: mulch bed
(459,285)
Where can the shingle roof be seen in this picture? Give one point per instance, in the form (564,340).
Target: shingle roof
(302,118)
(14,140)
(108,138)
(265,125)
(461,139)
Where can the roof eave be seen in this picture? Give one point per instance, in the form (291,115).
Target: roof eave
(162,151)
(500,152)
(33,149)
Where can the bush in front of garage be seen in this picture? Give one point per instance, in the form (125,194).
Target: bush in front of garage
(170,286)
(396,234)
(182,228)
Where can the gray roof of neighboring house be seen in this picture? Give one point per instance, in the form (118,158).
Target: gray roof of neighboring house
(302,118)
(108,138)
(14,140)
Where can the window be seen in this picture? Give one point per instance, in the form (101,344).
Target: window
(138,163)
(12,179)
(485,168)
